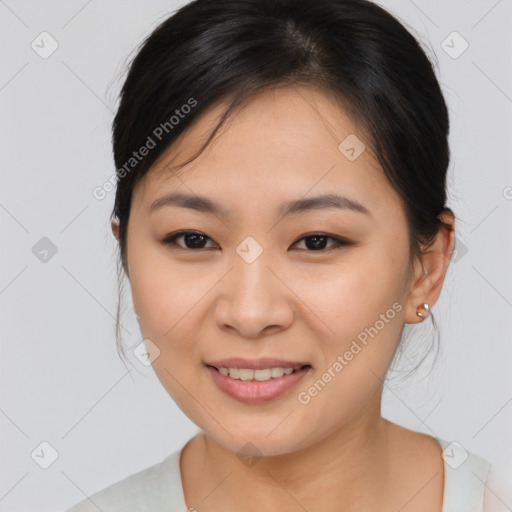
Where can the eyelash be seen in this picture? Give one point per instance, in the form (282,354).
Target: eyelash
(339,242)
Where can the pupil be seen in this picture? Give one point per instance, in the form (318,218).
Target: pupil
(315,244)
(188,237)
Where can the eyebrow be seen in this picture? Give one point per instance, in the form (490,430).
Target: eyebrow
(206,205)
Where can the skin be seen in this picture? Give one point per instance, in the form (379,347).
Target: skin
(335,452)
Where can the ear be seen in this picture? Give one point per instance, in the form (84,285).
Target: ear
(115,228)
(429,270)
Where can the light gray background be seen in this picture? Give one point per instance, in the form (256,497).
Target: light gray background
(62,381)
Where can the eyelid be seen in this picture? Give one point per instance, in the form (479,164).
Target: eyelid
(338,241)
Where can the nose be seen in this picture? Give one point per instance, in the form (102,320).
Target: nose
(253,300)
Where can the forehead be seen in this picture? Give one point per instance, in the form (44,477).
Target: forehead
(282,143)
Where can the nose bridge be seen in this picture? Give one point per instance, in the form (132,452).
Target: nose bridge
(253,298)
(252,279)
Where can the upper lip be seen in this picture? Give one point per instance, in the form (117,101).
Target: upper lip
(255,364)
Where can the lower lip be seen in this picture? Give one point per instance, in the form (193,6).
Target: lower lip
(253,391)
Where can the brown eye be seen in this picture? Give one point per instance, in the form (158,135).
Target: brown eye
(192,240)
(317,242)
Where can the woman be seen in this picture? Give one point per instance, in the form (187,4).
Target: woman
(281,215)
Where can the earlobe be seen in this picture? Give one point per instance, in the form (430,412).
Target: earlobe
(420,297)
(426,308)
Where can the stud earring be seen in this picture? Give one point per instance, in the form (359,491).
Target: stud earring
(426,307)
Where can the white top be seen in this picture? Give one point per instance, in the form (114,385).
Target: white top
(159,488)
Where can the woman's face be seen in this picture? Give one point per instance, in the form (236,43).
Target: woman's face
(257,284)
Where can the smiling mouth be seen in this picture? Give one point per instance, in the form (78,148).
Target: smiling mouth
(259,375)
(256,386)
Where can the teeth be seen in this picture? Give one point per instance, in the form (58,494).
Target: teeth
(260,375)
(243,374)
(276,372)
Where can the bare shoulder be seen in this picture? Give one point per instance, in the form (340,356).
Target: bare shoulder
(411,444)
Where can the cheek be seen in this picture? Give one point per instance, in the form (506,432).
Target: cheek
(168,300)
(352,296)
(361,305)
(166,293)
